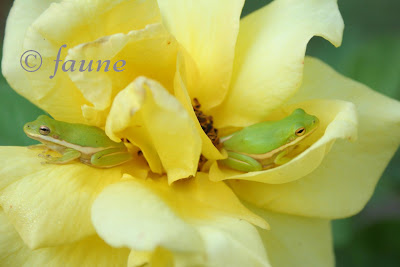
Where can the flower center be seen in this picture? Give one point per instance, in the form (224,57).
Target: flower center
(207,124)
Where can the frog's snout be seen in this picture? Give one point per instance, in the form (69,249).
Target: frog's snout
(27,127)
(316,121)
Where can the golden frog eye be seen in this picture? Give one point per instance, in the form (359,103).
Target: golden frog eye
(44,130)
(300,131)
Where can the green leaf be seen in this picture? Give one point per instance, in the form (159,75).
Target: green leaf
(377,64)
(15,112)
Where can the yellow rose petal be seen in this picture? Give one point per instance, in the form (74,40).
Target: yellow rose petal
(74,22)
(47,28)
(160,257)
(199,198)
(338,119)
(193,216)
(269,56)
(22,15)
(91,251)
(185,75)
(307,241)
(346,178)
(150,52)
(49,204)
(208,30)
(148,116)
(128,214)
(230,242)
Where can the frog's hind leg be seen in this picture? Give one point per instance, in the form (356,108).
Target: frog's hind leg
(68,156)
(242,162)
(281,158)
(110,157)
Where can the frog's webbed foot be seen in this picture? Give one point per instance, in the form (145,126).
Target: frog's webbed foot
(43,155)
(68,156)
(49,158)
(39,146)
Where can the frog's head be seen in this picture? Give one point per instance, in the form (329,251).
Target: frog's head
(43,128)
(302,124)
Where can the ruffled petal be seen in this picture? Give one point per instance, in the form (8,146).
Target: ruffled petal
(297,241)
(345,180)
(22,14)
(227,242)
(207,30)
(129,214)
(50,204)
(148,116)
(91,251)
(270,50)
(230,242)
(140,202)
(338,119)
(46,28)
(190,217)
(150,52)
(161,257)
(185,75)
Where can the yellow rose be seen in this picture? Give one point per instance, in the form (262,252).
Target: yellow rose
(162,211)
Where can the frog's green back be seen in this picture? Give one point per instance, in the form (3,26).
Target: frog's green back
(79,134)
(266,136)
(259,138)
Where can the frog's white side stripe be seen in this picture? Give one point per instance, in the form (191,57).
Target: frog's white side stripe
(86,150)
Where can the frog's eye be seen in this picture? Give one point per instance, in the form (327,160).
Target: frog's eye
(44,130)
(300,131)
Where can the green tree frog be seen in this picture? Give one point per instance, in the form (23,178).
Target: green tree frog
(265,144)
(87,143)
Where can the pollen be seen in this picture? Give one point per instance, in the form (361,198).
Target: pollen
(207,124)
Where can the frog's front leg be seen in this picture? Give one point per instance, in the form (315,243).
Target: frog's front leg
(38,146)
(68,156)
(242,162)
(42,147)
(110,157)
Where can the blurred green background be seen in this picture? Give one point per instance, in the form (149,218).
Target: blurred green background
(370,54)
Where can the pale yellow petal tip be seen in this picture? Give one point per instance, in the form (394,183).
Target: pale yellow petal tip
(263,224)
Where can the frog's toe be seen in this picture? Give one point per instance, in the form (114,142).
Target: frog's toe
(44,156)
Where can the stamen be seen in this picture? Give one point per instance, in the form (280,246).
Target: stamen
(207,124)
